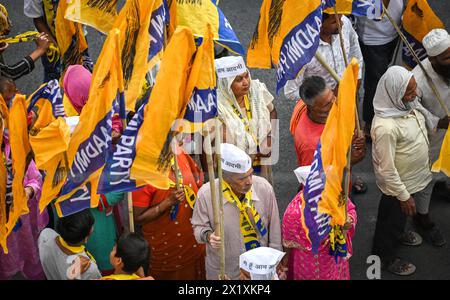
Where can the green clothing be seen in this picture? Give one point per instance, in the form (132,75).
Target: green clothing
(104,236)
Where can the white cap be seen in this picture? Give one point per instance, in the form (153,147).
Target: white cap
(261,262)
(234,160)
(230,66)
(436,42)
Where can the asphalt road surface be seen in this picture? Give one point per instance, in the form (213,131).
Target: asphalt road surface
(432,263)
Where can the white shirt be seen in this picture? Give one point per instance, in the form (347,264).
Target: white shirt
(430,102)
(380,32)
(333,56)
(33,8)
(56,263)
(400,155)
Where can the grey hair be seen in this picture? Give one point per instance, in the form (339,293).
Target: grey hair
(311,88)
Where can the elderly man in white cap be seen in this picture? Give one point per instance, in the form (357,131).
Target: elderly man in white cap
(437,65)
(251,217)
(246,110)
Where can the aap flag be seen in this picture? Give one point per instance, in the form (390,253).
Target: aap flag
(371,9)
(99,14)
(202,105)
(197,14)
(287,37)
(316,223)
(51,92)
(91,142)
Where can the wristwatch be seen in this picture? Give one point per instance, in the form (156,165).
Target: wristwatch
(206,235)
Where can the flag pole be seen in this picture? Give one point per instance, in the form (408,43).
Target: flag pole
(344,54)
(212,183)
(221,218)
(416,58)
(124,124)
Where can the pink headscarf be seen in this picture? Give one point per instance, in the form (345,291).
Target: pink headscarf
(77,82)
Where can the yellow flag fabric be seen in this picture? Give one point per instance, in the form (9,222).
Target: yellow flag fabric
(443,162)
(336,140)
(287,37)
(70,38)
(141,23)
(91,140)
(49,147)
(99,14)
(201,88)
(418,20)
(167,103)
(197,14)
(20,153)
(371,9)
(143,154)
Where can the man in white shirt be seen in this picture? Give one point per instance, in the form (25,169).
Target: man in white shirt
(437,65)
(378,40)
(402,169)
(330,49)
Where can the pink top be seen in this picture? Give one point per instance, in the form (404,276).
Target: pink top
(303,264)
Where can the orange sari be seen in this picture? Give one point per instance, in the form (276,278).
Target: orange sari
(175,254)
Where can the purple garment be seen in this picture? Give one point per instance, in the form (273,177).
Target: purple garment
(22,244)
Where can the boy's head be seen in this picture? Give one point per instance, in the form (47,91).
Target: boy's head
(76,228)
(130,253)
(7,89)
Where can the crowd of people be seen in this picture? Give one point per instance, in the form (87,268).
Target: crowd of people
(176,234)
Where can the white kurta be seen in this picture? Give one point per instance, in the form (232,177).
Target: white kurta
(430,102)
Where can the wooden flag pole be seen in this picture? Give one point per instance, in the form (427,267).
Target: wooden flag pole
(417,59)
(221,218)
(344,54)
(212,183)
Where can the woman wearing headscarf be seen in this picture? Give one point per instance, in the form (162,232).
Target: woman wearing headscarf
(402,168)
(77,82)
(246,110)
(26,65)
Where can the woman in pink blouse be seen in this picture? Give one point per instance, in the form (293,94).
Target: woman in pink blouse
(301,262)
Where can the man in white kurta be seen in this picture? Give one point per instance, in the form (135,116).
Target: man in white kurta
(437,65)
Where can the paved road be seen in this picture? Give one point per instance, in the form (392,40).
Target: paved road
(431,263)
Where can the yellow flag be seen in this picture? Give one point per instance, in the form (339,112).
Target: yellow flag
(418,20)
(49,147)
(21,155)
(287,37)
(371,9)
(201,88)
(143,153)
(91,140)
(99,14)
(443,162)
(336,140)
(70,38)
(142,25)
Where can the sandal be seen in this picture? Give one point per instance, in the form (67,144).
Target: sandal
(359,186)
(411,238)
(401,267)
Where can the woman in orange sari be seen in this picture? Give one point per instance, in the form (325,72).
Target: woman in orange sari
(165,218)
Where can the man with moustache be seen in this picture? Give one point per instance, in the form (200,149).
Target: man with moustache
(437,65)
(250,210)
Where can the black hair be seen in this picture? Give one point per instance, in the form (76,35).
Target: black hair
(76,227)
(311,88)
(133,250)
(325,16)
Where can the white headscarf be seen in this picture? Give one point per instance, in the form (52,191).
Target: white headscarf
(391,88)
(259,97)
